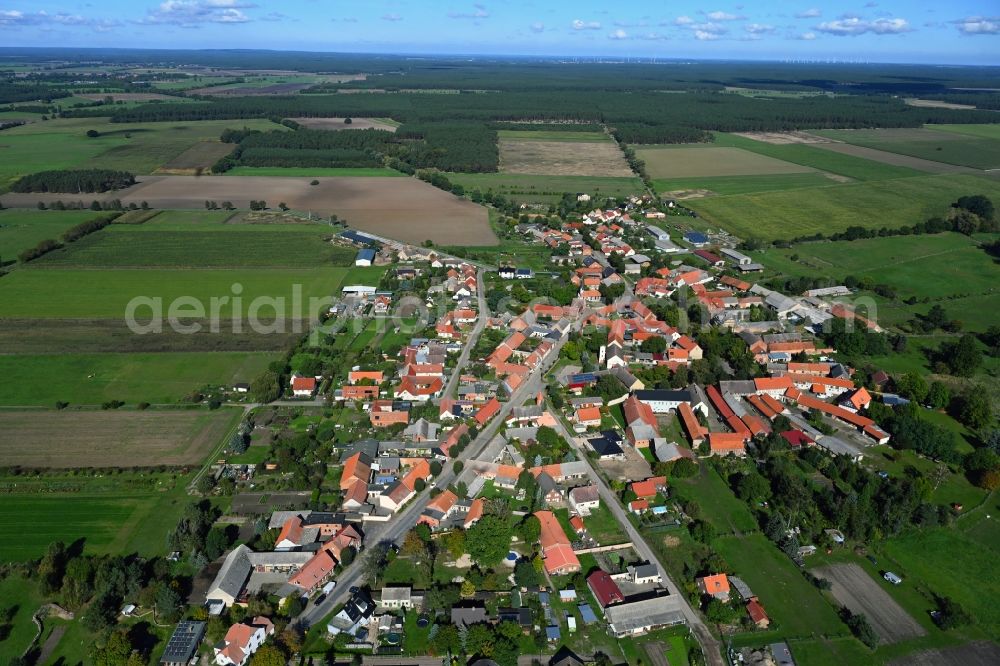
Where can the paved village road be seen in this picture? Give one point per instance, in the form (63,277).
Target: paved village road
(484,315)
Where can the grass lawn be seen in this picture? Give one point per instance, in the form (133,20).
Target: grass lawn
(718,504)
(139,246)
(23,229)
(404,571)
(958,561)
(806,211)
(90,379)
(24,596)
(744,184)
(982,131)
(137,147)
(796,607)
(118,514)
(305,172)
(107,293)
(603,526)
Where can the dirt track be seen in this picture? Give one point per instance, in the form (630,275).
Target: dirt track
(406,209)
(854,588)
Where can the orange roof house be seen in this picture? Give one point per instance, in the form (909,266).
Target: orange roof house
(694,429)
(454,435)
(588,416)
(474,514)
(356,468)
(557,553)
(716,585)
(772,385)
(648,488)
(487,412)
(722,443)
(421,469)
(636,410)
(356,376)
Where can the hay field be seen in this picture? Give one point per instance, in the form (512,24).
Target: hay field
(546,189)
(663,162)
(405,209)
(128,97)
(563,158)
(73,439)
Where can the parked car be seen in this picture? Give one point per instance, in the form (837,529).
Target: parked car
(892,578)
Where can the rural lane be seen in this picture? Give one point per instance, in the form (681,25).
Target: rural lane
(709,644)
(484,315)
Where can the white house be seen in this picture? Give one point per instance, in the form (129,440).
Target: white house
(241,641)
(584,499)
(396,597)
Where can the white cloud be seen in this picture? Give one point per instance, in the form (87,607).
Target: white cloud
(703,36)
(813,12)
(537,27)
(585,25)
(14,18)
(807,36)
(979,25)
(723,16)
(618,34)
(480,12)
(391,17)
(712,28)
(683,20)
(653,37)
(193,13)
(852,26)
(759,28)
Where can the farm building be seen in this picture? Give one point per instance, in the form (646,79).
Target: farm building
(696,238)
(183,643)
(365,257)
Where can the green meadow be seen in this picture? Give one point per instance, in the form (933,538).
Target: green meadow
(23,229)
(42,293)
(318,172)
(875,204)
(137,147)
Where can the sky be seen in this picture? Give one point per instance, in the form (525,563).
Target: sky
(901,31)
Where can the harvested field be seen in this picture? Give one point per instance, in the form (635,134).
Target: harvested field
(338,124)
(85,336)
(895,159)
(664,162)
(563,158)
(201,155)
(854,588)
(406,209)
(782,138)
(980,653)
(936,104)
(126,97)
(72,439)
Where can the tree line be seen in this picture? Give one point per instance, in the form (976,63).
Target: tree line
(74,180)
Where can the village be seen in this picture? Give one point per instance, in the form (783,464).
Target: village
(521,444)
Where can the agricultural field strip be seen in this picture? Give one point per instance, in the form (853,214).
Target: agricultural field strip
(73,439)
(854,588)
(977,152)
(685,161)
(562,158)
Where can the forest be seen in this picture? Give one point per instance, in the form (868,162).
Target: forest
(74,181)
(704,111)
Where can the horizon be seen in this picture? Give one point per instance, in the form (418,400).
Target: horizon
(967,32)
